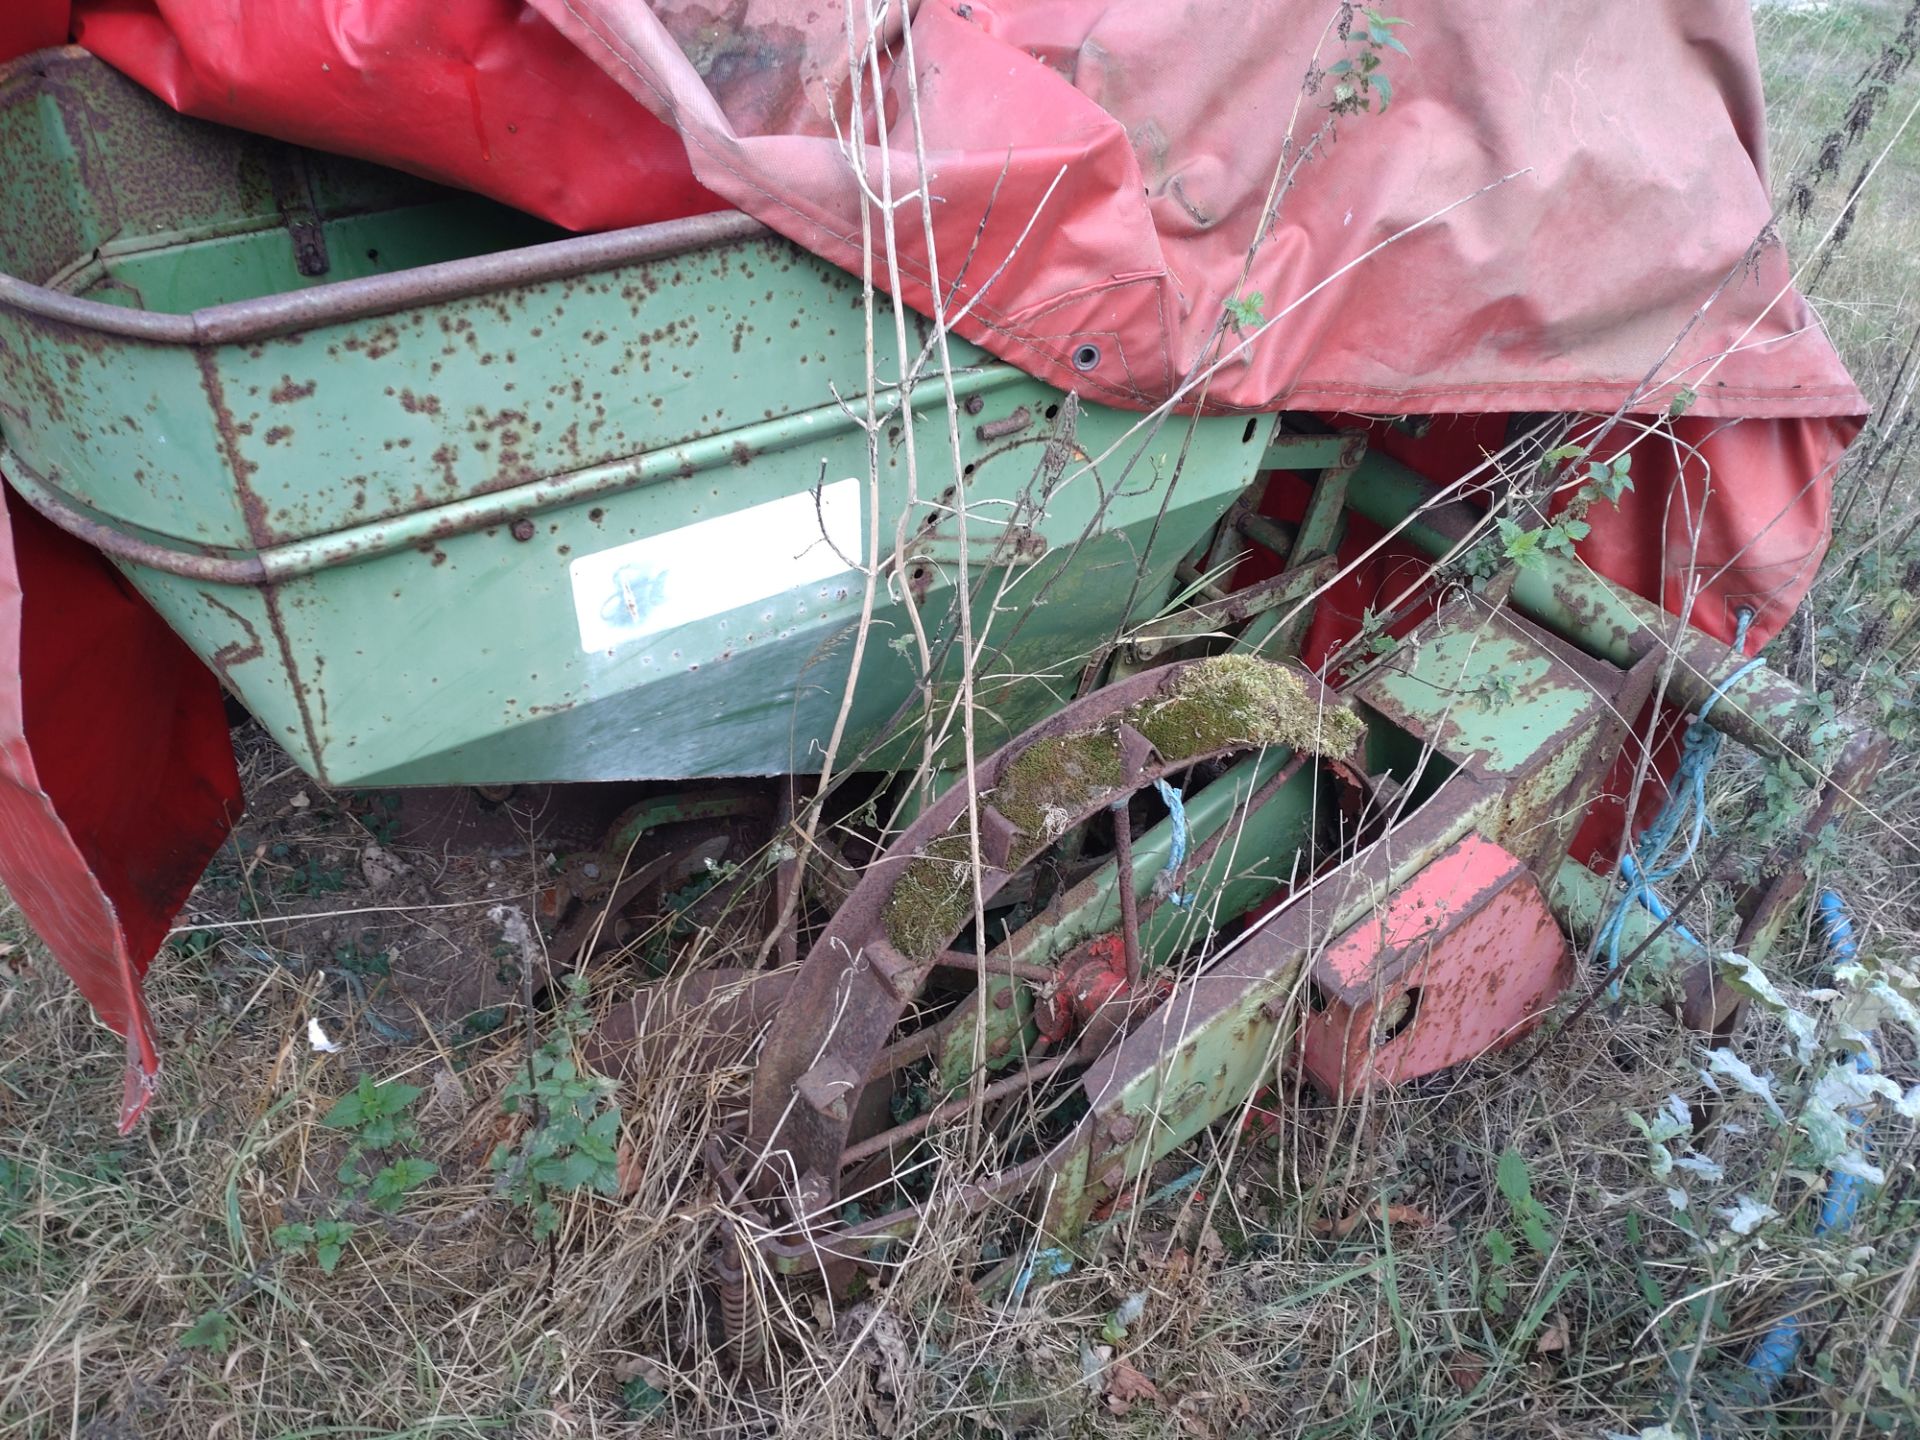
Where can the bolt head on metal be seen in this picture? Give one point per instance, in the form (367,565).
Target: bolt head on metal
(522,529)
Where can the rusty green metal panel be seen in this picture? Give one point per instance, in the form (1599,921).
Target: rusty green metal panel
(380,508)
(1485,692)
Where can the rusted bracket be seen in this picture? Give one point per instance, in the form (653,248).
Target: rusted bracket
(292,183)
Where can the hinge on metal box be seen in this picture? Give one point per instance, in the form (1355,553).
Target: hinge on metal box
(292,185)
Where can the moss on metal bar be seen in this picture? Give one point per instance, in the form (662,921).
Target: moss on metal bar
(1215,705)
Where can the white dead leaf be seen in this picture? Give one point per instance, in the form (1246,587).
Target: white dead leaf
(445,1096)
(1722,1061)
(1748,979)
(1700,1165)
(1896,1005)
(299,801)
(1746,1214)
(380,867)
(650,1372)
(1677,1198)
(317,1037)
(1852,1162)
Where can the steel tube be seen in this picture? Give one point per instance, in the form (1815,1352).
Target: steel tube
(1762,710)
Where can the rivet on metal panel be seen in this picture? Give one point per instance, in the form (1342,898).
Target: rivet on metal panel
(522,529)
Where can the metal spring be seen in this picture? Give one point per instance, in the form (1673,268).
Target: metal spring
(738,1316)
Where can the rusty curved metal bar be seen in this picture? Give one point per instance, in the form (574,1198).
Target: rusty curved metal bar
(262,319)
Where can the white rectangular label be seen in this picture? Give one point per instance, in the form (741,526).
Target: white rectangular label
(713,566)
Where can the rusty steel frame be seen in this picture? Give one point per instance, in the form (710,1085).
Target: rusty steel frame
(1223,1030)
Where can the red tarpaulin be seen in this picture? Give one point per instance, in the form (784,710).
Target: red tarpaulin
(1559,211)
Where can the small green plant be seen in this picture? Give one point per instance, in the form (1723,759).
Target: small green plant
(361,959)
(639,1399)
(325,1240)
(1496,688)
(308,874)
(1528,546)
(1247,312)
(1362,78)
(573,1126)
(212,1332)
(192,944)
(379,815)
(375,1115)
(1514,1180)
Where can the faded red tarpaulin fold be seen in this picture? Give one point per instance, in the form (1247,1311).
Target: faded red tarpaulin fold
(117,782)
(481,94)
(116,779)
(1607,266)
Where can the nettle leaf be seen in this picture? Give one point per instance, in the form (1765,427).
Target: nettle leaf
(391,1185)
(1746,1214)
(351,1108)
(1514,1179)
(368,1103)
(1500,1249)
(212,1331)
(1724,1062)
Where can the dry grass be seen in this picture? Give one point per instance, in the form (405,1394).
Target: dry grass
(1253,1318)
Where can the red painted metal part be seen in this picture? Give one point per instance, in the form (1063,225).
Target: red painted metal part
(1464,959)
(1091,978)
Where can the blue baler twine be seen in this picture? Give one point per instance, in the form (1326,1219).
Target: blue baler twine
(1177,850)
(1648,865)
